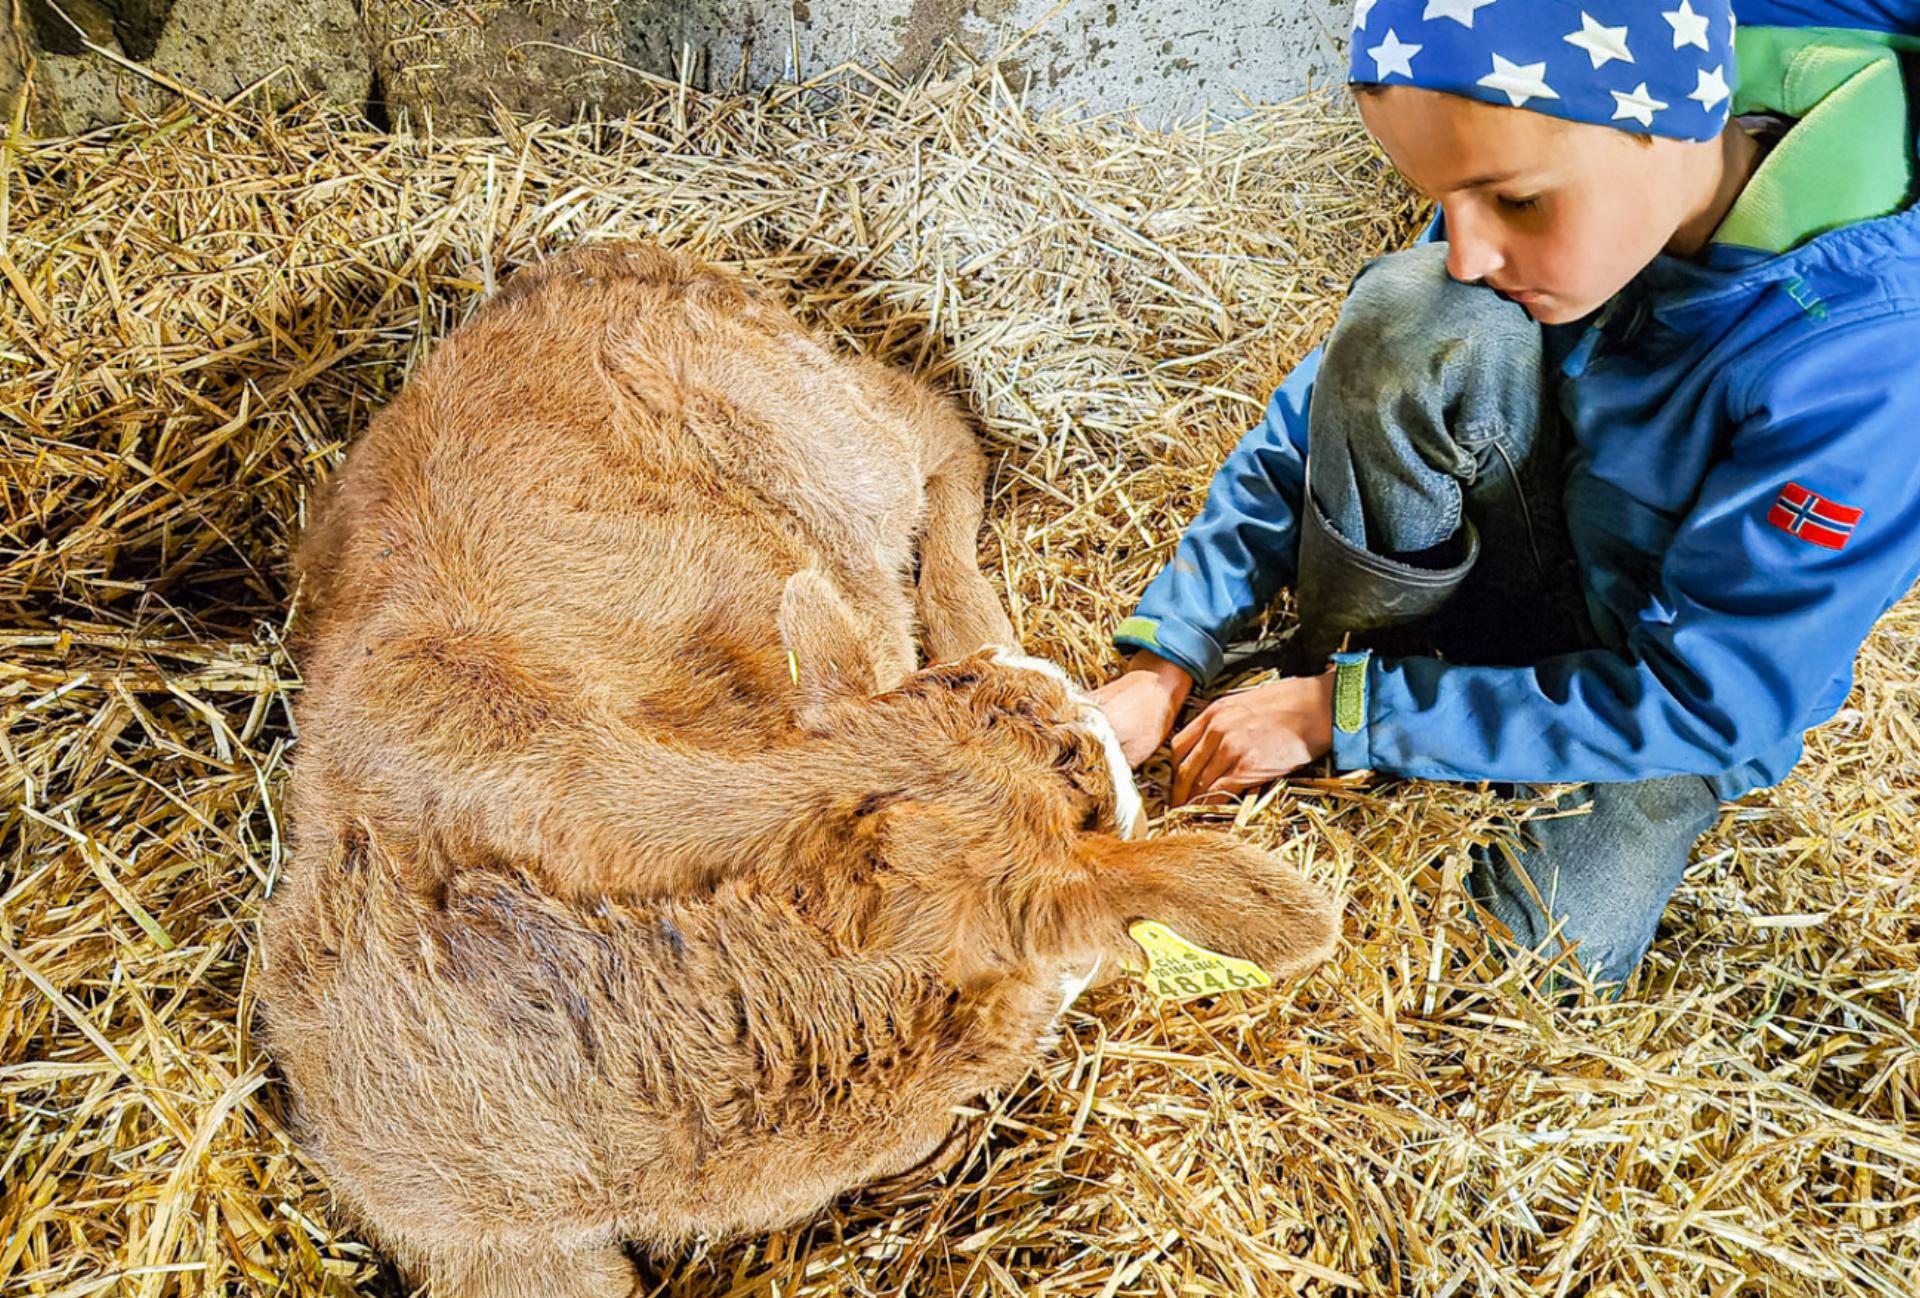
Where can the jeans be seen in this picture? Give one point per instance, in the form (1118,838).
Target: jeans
(1437,461)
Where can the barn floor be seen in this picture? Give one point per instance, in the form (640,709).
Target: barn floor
(198,315)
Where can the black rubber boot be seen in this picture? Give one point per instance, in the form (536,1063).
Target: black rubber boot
(1345,591)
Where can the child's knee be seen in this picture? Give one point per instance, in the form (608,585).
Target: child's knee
(1407,316)
(1609,935)
(1599,875)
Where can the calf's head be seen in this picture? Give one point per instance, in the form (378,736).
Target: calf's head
(988,822)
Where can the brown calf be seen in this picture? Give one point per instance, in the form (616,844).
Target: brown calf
(641,889)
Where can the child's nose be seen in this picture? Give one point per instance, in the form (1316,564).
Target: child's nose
(1471,257)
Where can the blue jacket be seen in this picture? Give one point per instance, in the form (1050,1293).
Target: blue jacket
(1708,402)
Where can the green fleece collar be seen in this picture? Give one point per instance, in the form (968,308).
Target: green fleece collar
(1849,156)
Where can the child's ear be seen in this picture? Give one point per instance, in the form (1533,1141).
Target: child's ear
(824,649)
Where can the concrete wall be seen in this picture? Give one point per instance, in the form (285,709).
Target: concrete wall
(1171,58)
(450,61)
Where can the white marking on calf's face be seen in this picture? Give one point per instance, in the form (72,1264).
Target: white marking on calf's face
(1022,662)
(1070,989)
(1129,813)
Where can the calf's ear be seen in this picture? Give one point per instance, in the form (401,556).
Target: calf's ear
(1212,889)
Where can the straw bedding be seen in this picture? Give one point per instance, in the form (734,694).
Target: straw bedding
(200,312)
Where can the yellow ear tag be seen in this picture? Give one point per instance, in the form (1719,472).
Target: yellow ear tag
(793,666)
(1177,970)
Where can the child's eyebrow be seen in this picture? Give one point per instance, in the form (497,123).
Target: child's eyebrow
(1478,182)
(1481,182)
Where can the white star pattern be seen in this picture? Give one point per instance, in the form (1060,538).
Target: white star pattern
(1602,44)
(1461,11)
(1689,28)
(1712,88)
(1639,105)
(1392,55)
(1518,81)
(1360,12)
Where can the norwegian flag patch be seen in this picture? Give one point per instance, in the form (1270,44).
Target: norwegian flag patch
(1813,518)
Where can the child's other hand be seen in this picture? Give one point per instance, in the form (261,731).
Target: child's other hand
(1249,739)
(1142,704)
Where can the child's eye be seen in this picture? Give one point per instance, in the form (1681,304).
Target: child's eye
(1520,204)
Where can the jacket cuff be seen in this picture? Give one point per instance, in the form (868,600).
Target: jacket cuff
(1352,703)
(1185,646)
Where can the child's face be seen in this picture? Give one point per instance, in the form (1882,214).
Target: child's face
(1556,215)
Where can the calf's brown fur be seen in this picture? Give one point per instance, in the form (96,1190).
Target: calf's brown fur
(641,889)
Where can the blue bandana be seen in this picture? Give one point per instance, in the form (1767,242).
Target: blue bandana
(1659,67)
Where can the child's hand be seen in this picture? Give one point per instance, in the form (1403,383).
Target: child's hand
(1249,739)
(1142,704)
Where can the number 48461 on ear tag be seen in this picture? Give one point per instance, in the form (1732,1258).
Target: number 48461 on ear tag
(1177,970)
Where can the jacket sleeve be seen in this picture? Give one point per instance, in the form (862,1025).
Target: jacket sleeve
(1242,549)
(1749,634)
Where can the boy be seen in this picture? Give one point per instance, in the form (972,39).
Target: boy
(1631,459)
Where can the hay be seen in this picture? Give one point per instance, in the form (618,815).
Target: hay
(201,312)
